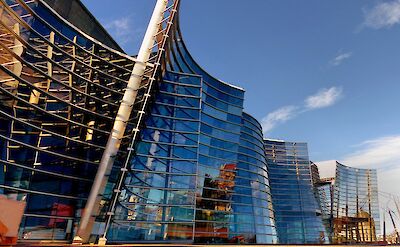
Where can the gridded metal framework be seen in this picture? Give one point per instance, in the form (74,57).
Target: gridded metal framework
(198,173)
(295,207)
(59,93)
(355,205)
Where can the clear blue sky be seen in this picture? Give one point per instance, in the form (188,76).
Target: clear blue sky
(323,72)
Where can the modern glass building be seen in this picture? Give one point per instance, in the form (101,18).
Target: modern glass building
(297,214)
(197,172)
(353,211)
(59,92)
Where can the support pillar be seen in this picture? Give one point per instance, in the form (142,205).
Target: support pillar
(93,204)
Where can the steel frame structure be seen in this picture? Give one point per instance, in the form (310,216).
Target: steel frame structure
(60,97)
(73,148)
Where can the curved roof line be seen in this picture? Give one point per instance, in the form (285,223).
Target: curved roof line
(285,141)
(255,119)
(178,28)
(98,25)
(87,36)
(355,168)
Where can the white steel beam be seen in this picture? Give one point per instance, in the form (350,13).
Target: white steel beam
(93,204)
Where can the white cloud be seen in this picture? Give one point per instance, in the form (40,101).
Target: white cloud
(122,29)
(278,116)
(324,98)
(340,58)
(383,15)
(382,152)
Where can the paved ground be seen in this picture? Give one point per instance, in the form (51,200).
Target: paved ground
(181,245)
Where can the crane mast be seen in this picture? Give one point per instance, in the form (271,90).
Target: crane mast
(394,225)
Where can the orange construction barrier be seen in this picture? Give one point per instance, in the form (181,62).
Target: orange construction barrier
(11,212)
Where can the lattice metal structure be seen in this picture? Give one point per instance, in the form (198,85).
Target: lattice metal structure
(356,217)
(350,206)
(60,91)
(191,165)
(159,42)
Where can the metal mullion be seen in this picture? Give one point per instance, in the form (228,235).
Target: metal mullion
(146,168)
(160,222)
(233,213)
(47,151)
(7,71)
(53,115)
(163,173)
(175,118)
(34,14)
(45,75)
(48,216)
(181,95)
(188,206)
(168,158)
(179,106)
(218,158)
(45,172)
(185,74)
(171,144)
(41,192)
(170,130)
(182,84)
(28,27)
(152,78)
(161,188)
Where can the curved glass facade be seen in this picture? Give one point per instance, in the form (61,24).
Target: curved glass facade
(349,203)
(198,172)
(355,205)
(297,213)
(252,169)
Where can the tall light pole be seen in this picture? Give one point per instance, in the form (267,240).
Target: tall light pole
(121,120)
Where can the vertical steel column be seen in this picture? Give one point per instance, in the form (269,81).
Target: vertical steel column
(121,120)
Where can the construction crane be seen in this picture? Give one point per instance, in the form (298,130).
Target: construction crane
(391,202)
(394,225)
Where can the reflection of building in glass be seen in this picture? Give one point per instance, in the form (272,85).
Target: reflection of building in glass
(349,203)
(297,213)
(197,173)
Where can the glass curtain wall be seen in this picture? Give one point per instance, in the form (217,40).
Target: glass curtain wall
(194,177)
(355,205)
(59,93)
(252,169)
(158,199)
(198,173)
(292,192)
